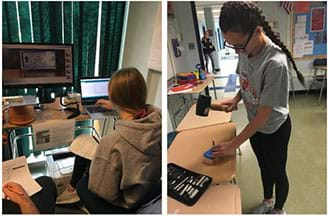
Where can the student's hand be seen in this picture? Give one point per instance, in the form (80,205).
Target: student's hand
(226,105)
(223,148)
(16,193)
(105,103)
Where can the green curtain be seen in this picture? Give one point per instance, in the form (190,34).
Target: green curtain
(80,20)
(110,38)
(85,39)
(70,23)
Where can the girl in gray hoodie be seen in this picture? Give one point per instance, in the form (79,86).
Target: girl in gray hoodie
(127,164)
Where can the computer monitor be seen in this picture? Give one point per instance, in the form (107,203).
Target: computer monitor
(37,65)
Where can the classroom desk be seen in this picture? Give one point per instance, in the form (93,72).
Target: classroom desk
(195,90)
(218,199)
(188,147)
(201,86)
(193,121)
(51,111)
(319,78)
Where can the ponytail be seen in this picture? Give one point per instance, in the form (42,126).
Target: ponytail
(243,16)
(268,31)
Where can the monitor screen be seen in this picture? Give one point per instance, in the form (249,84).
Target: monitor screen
(93,88)
(28,65)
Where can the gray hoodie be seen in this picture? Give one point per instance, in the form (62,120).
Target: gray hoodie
(127,162)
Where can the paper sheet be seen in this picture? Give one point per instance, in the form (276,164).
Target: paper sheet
(84,146)
(300,28)
(54,133)
(298,49)
(300,38)
(17,171)
(301,19)
(308,47)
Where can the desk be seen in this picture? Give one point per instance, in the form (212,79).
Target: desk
(201,86)
(51,111)
(319,78)
(188,147)
(193,121)
(195,90)
(218,199)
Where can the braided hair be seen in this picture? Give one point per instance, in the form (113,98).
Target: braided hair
(244,16)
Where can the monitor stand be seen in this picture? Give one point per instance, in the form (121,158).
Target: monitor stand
(44,96)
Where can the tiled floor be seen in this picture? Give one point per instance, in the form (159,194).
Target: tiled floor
(306,164)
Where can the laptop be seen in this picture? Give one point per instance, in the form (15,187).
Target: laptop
(93,89)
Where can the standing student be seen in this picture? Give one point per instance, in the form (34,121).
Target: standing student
(126,169)
(263,71)
(208,49)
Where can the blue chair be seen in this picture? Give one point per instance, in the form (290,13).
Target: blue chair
(170,137)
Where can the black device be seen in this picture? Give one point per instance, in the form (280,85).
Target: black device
(203,105)
(184,185)
(75,111)
(37,66)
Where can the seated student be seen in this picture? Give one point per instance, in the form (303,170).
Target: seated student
(18,202)
(127,164)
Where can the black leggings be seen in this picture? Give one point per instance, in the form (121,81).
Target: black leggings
(44,200)
(81,166)
(271,154)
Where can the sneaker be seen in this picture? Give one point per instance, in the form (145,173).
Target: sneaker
(68,197)
(277,211)
(264,207)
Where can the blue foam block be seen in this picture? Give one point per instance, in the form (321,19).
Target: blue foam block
(208,154)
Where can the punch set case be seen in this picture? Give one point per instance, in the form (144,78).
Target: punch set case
(184,185)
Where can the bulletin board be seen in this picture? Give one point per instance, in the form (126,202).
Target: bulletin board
(309,30)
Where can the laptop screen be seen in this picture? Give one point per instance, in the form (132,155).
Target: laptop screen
(94,88)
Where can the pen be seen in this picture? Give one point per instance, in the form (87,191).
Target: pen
(14,168)
(15,191)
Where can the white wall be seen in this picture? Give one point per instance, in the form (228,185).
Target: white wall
(139,45)
(189,58)
(139,34)
(183,19)
(274,12)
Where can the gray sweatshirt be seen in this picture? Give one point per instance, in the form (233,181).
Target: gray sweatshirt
(127,162)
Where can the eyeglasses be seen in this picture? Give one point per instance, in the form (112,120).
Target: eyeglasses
(243,48)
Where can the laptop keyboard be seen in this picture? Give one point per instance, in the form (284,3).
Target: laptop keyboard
(97,109)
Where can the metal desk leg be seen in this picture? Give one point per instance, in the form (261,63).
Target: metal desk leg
(322,86)
(213,82)
(174,124)
(104,127)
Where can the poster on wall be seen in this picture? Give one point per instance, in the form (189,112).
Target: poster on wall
(175,46)
(317,19)
(309,29)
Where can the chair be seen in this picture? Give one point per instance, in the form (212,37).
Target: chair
(170,137)
(319,75)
